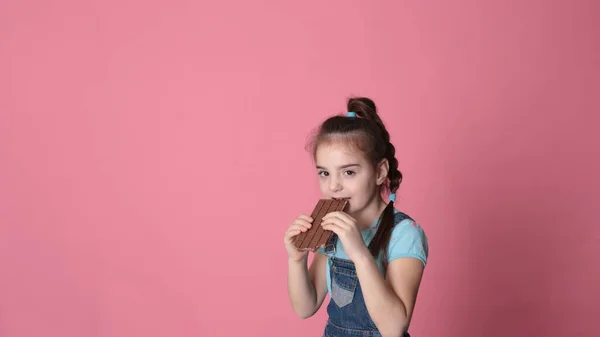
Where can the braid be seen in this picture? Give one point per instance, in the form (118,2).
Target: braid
(394,175)
(380,243)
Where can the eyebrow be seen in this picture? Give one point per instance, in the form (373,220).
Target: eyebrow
(341,167)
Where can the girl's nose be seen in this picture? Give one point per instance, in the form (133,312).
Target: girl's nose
(334,185)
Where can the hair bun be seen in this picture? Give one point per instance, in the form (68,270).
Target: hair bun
(363,106)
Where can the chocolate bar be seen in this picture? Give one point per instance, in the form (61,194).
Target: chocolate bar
(316,237)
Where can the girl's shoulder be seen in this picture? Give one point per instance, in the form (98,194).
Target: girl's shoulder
(405,223)
(408,238)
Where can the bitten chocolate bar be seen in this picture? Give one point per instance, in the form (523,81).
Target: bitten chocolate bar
(316,237)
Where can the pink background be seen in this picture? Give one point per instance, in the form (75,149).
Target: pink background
(132,133)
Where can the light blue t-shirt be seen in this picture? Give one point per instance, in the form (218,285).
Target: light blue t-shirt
(407,240)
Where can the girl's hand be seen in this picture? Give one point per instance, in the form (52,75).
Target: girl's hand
(347,231)
(301,224)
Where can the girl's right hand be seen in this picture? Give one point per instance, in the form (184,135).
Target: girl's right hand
(301,224)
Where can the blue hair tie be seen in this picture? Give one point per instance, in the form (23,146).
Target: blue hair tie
(350,114)
(393,197)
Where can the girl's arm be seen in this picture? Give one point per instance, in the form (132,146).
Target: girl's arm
(307,288)
(390,302)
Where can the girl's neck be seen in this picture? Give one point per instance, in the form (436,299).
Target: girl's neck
(370,213)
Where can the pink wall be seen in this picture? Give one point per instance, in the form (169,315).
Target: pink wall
(132,133)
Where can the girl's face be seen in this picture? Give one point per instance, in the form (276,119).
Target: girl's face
(346,174)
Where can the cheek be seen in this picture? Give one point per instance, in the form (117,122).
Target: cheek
(361,185)
(323,186)
(362,189)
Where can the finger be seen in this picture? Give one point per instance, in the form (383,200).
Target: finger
(291,233)
(301,228)
(338,222)
(290,239)
(334,228)
(342,215)
(306,217)
(301,222)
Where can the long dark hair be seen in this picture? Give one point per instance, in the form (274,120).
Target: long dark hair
(367,134)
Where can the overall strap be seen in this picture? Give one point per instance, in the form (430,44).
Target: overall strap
(399,217)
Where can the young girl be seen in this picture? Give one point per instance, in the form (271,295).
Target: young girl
(372,266)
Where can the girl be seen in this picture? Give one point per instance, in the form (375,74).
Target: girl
(372,266)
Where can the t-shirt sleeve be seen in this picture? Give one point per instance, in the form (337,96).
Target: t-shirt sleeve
(408,240)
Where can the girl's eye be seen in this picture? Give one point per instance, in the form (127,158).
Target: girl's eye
(349,173)
(323,173)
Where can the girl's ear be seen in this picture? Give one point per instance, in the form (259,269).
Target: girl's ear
(382,171)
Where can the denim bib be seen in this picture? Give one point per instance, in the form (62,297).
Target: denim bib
(348,315)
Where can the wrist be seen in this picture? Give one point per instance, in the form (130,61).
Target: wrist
(364,257)
(299,261)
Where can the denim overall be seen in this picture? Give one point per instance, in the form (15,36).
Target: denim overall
(348,315)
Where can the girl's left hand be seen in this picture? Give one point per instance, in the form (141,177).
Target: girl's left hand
(347,231)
